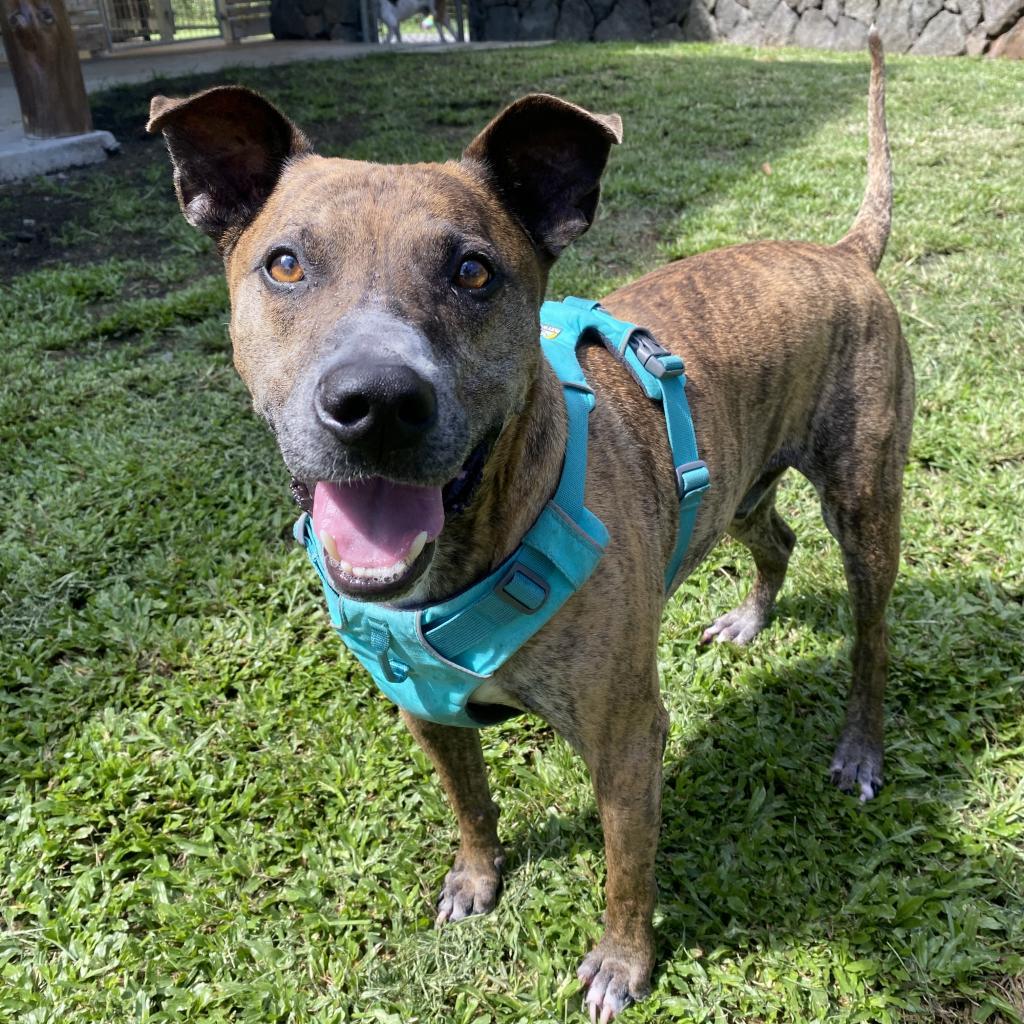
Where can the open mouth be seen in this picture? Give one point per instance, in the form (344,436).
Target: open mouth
(378,535)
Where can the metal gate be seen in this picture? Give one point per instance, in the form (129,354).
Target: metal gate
(135,21)
(101,25)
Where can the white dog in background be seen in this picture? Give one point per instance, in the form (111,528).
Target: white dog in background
(394,12)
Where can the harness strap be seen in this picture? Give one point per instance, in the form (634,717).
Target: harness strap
(662,375)
(556,555)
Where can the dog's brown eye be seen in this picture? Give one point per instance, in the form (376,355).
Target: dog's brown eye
(285,269)
(473,273)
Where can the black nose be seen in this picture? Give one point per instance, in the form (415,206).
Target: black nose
(381,405)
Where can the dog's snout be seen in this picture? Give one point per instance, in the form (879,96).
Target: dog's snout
(382,405)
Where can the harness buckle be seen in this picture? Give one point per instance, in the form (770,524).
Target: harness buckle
(655,359)
(693,479)
(523,589)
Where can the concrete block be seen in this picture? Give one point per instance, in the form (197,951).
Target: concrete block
(23,157)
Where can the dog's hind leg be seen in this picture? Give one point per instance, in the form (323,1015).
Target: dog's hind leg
(770,540)
(866,522)
(472,885)
(860,483)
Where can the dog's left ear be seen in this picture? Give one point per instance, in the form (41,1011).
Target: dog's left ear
(228,146)
(545,157)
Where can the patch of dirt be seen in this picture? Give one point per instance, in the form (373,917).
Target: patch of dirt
(44,222)
(30,220)
(35,215)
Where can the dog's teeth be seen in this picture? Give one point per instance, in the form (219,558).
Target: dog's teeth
(417,547)
(331,547)
(379,574)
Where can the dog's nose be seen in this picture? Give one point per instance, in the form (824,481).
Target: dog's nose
(382,405)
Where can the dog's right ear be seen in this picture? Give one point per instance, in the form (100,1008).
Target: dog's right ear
(228,146)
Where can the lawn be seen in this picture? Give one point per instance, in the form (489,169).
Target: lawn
(206,811)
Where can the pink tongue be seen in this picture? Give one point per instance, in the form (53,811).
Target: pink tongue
(373,523)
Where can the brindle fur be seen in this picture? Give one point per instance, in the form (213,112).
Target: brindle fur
(795,360)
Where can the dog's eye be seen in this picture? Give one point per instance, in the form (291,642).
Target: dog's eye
(285,268)
(473,273)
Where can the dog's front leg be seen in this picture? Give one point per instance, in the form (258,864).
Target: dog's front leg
(471,887)
(624,757)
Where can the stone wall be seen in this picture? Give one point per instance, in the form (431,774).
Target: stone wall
(935,27)
(926,27)
(316,19)
(600,20)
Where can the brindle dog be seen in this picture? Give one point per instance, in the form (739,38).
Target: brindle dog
(385,320)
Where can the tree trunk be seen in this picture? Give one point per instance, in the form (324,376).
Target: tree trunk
(44,62)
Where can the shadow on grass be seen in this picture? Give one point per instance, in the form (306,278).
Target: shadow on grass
(759,852)
(697,121)
(658,86)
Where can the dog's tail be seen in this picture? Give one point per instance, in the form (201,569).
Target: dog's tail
(870,230)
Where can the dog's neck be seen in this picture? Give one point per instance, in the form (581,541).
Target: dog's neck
(521,475)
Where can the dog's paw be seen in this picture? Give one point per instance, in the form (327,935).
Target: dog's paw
(739,626)
(613,979)
(857,767)
(471,887)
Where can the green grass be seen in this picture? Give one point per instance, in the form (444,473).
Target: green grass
(206,812)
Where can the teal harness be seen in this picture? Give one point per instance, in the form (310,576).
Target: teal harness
(429,660)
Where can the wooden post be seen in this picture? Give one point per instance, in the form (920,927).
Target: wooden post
(44,63)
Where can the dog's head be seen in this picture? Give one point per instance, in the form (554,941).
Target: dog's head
(385,317)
